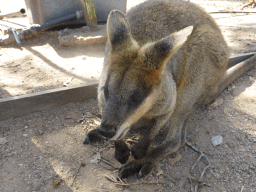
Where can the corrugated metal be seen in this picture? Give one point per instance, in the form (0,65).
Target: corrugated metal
(42,11)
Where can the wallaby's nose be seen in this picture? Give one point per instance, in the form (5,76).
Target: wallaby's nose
(107,130)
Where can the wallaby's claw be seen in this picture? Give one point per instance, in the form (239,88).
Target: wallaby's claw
(145,170)
(129,169)
(135,167)
(93,136)
(87,140)
(122,152)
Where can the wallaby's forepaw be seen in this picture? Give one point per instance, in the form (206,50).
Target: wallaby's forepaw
(122,152)
(135,167)
(93,136)
(140,149)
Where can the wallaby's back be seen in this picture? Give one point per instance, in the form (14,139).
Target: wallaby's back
(156,19)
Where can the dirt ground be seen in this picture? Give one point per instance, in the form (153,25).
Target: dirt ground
(44,151)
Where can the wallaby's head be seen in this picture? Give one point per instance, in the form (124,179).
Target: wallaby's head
(134,75)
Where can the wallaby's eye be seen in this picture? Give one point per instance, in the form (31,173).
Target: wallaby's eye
(136,98)
(106,93)
(105,87)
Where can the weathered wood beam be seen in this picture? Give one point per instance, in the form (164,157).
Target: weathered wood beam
(19,106)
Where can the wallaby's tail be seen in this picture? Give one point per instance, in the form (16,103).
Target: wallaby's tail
(237,66)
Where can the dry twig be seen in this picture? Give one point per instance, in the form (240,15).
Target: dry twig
(202,155)
(6,159)
(103,159)
(199,181)
(81,165)
(43,182)
(122,183)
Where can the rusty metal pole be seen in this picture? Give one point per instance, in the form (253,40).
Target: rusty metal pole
(90,14)
(20,12)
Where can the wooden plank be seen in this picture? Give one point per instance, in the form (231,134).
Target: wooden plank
(13,23)
(19,106)
(90,14)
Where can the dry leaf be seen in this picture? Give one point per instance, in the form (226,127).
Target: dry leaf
(175,160)
(159,170)
(68,81)
(56,182)
(96,158)
(218,102)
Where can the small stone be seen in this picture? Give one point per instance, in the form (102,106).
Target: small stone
(80,121)
(65,30)
(217,140)
(25,135)
(3,141)
(216,175)
(88,113)
(242,149)
(96,122)
(68,117)
(252,79)
(82,109)
(26,127)
(96,158)
(159,170)
(252,168)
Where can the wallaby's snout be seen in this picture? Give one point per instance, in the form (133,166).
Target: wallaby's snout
(107,130)
(111,118)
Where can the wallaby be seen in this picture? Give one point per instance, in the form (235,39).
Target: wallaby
(163,59)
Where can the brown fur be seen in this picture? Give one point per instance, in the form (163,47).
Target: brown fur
(158,68)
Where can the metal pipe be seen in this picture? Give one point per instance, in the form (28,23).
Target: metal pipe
(59,21)
(16,37)
(20,12)
(35,29)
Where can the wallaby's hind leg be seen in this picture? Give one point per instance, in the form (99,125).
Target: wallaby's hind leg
(140,149)
(234,71)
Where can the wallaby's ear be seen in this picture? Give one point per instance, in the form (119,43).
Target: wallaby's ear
(119,31)
(155,54)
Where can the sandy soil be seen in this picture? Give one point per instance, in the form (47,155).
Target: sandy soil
(44,151)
